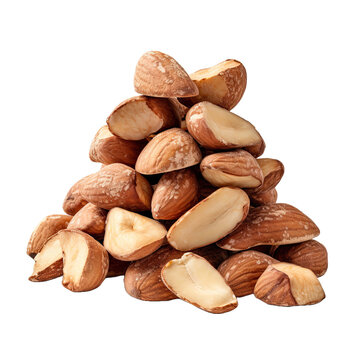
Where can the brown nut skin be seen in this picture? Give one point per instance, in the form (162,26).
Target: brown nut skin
(309,254)
(242,270)
(175,193)
(143,277)
(73,201)
(96,265)
(273,287)
(117,185)
(276,224)
(117,267)
(139,117)
(232,168)
(107,148)
(257,149)
(172,149)
(197,122)
(90,219)
(285,284)
(266,198)
(159,75)
(273,171)
(49,226)
(223,84)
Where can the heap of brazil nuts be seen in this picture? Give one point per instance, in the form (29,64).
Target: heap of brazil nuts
(182,206)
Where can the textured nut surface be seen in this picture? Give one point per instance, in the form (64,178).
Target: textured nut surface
(86,261)
(73,201)
(90,219)
(232,168)
(107,148)
(143,277)
(309,254)
(265,198)
(175,193)
(172,149)
(223,84)
(273,171)
(158,74)
(131,236)
(140,116)
(288,285)
(117,185)
(209,220)
(242,270)
(276,224)
(117,267)
(216,128)
(48,226)
(193,279)
(49,261)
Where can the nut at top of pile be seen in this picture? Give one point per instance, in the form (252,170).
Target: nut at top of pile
(183,204)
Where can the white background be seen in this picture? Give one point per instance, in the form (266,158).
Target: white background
(65,65)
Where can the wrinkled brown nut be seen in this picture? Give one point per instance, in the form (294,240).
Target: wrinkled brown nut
(286,284)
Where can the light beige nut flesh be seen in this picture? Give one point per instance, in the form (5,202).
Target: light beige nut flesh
(232,168)
(194,280)
(223,84)
(107,148)
(210,220)
(175,193)
(216,128)
(49,261)
(143,277)
(287,284)
(90,219)
(130,236)
(117,185)
(159,75)
(172,149)
(276,224)
(309,254)
(86,262)
(242,270)
(140,116)
(48,227)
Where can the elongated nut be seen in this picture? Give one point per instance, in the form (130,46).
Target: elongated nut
(256,150)
(210,220)
(242,270)
(117,185)
(159,75)
(216,128)
(193,279)
(73,201)
(143,277)
(90,219)
(86,261)
(273,171)
(223,84)
(309,254)
(49,261)
(172,149)
(140,116)
(130,236)
(49,226)
(265,198)
(233,168)
(276,224)
(175,193)
(107,148)
(286,284)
